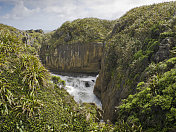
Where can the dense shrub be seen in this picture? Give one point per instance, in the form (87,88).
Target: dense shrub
(153,106)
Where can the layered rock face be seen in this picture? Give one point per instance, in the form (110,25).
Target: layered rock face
(141,37)
(74,58)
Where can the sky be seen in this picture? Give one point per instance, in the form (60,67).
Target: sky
(51,14)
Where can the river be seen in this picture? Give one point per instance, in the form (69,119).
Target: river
(81,88)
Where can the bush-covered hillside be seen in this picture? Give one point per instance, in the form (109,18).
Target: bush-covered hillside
(34,38)
(82,31)
(21,76)
(153,106)
(32,100)
(143,36)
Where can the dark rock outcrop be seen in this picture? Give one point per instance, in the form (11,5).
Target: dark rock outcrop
(35,31)
(164,50)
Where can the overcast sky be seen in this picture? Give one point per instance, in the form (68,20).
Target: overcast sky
(50,14)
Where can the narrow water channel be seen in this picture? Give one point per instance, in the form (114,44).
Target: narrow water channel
(81,88)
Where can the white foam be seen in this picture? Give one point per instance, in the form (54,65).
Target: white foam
(81,88)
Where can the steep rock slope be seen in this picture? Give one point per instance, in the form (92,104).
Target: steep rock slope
(143,35)
(76,47)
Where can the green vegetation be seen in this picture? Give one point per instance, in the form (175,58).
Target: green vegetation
(36,39)
(21,76)
(81,31)
(153,106)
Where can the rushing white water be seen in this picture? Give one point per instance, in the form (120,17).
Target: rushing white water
(81,88)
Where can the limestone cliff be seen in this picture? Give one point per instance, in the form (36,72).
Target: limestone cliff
(74,58)
(76,47)
(142,36)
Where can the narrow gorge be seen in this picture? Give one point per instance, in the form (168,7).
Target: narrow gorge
(135,60)
(141,37)
(122,55)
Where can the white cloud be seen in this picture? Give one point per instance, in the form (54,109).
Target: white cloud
(20,11)
(52,9)
(52,13)
(60,9)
